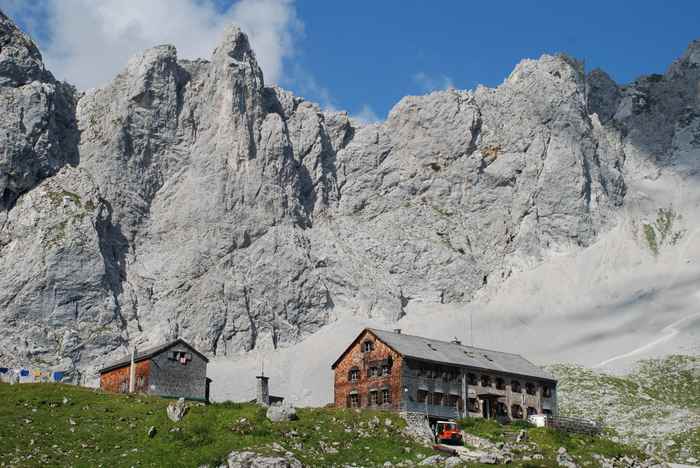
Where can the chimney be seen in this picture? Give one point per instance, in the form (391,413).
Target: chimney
(397,331)
(456,341)
(263,394)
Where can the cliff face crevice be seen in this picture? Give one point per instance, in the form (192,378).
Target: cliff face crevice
(186,198)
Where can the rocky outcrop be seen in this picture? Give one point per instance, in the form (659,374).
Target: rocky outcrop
(240,216)
(282,412)
(177,410)
(254,460)
(37,120)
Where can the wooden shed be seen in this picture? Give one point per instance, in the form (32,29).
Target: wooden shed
(175,369)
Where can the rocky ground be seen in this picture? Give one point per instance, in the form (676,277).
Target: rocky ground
(656,407)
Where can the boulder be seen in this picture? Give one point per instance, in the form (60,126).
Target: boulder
(282,412)
(564,459)
(254,460)
(176,410)
(488,459)
(431,461)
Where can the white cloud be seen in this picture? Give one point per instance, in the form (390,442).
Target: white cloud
(433,83)
(89,42)
(309,88)
(366,115)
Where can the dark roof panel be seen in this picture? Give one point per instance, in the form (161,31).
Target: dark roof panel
(446,352)
(149,353)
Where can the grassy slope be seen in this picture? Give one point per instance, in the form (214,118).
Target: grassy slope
(110,427)
(656,407)
(547,442)
(111,430)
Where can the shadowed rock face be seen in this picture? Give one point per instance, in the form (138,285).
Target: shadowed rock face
(206,205)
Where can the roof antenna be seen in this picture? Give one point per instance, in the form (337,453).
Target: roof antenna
(471,327)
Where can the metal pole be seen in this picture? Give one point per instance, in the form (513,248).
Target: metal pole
(132,371)
(471,327)
(465,394)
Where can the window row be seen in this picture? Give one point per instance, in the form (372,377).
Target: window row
(372,371)
(438,398)
(453,375)
(447,374)
(515,386)
(516,411)
(373,398)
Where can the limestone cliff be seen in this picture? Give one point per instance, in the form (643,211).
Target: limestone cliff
(186,198)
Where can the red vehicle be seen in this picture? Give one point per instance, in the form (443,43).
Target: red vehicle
(448,432)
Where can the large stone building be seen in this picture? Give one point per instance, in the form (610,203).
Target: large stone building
(414,374)
(175,369)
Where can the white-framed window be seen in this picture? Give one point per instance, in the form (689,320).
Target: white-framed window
(386,396)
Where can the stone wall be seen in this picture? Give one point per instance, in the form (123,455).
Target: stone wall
(171,378)
(362,361)
(117,380)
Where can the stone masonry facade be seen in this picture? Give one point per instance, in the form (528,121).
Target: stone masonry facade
(369,370)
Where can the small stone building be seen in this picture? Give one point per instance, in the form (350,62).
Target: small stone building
(174,369)
(441,379)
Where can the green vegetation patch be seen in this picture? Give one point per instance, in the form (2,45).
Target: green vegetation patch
(112,430)
(661,232)
(656,407)
(57,197)
(650,237)
(486,428)
(584,449)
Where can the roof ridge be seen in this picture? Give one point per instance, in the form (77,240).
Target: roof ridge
(148,353)
(446,342)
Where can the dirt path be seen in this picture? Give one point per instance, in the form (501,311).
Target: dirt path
(668,333)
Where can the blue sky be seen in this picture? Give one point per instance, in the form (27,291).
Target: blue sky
(363,56)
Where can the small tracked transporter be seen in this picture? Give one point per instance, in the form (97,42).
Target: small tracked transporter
(448,432)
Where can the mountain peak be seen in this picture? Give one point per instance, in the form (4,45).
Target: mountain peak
(20,59)
(234,44)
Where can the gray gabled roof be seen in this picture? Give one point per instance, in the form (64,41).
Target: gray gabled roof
(149,353)
(425,349)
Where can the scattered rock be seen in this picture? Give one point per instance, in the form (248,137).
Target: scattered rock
(488,459)
(177,410)
(254,460)
(564,459)
(283,412)
(430,461)
(151,432)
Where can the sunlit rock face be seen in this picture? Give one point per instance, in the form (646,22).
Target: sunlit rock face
(186,198)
